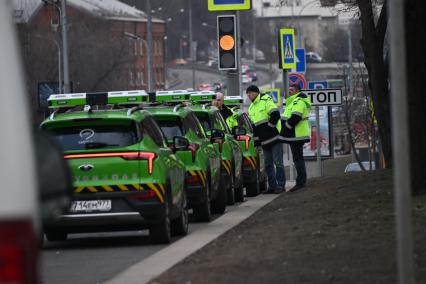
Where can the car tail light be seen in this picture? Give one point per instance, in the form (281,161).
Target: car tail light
(18,252)
(149,156)
(192,179)
(145,194)
(244,138)
(193,148)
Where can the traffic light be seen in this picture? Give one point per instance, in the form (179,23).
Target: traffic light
(227,43)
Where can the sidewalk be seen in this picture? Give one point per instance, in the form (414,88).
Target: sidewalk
(340,229)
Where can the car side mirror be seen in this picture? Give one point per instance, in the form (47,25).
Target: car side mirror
(54,177)
(217,134)
(238,131)
(180,143)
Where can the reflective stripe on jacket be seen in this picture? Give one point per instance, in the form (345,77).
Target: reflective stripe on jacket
(265,116)
(295,119)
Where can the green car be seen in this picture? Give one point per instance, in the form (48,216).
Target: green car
(255,178)
(201,158)
(125,176)
(212,121)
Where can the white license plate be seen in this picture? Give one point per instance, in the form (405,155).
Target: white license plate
(90,205)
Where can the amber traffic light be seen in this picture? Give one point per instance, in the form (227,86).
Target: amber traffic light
(226,38)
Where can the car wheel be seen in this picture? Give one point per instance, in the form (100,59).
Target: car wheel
(56,235)
(180,224)
(253,188)
(230,198)
(202,212)
(219,204)
(161,233)
(239,193)
(263,185)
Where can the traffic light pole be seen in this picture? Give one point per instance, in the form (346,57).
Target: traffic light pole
(233,77)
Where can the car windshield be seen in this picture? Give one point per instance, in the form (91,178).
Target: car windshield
(171,126)
(87,137)
(205,121)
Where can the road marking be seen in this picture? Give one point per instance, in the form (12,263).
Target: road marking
(153,266)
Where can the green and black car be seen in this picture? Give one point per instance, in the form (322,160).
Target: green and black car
(255,179)
(125,175)
(213,122)
(201,158)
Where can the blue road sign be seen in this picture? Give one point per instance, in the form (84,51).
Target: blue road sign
(315,85)
(300,61)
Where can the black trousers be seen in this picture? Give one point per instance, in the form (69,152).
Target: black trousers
(299,162)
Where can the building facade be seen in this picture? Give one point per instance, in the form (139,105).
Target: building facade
(102,55)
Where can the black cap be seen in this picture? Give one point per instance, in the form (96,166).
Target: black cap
(253,88)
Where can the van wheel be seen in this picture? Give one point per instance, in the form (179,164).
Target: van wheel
(202,211)
(161,233)
(56,235)
(181,223)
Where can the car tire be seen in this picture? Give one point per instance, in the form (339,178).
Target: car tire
(181,223)
(56,235)
(202,212)
(263,184)
(219,203)
(161,233)
(239,193)
(230,198)
(253,188)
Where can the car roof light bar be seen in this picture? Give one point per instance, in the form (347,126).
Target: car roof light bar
(175,96)
(82,99)
(203,96)
(233,100)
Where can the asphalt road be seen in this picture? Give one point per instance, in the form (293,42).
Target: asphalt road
(185,76)
(95,258)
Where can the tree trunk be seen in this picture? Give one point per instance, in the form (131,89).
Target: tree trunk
(416,69)
(372,43)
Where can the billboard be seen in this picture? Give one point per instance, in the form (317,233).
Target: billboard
(310,149)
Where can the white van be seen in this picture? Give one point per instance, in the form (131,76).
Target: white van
(18,200)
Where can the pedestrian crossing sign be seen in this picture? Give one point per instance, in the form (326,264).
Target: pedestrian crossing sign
(275,95)
(228,5)
(287,49)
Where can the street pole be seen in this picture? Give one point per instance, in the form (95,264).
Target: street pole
(191,46)
(239,49)
(350,59)
(60,70)
(254,40)
(234,76)
(285,95)
(318,135)
(400,141)
(67,88)
(149,44)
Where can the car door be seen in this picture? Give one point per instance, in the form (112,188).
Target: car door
(172,166)
(236,151)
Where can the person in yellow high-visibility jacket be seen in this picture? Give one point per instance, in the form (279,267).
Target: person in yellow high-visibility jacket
(228,114)
(265,117)
(296,131)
